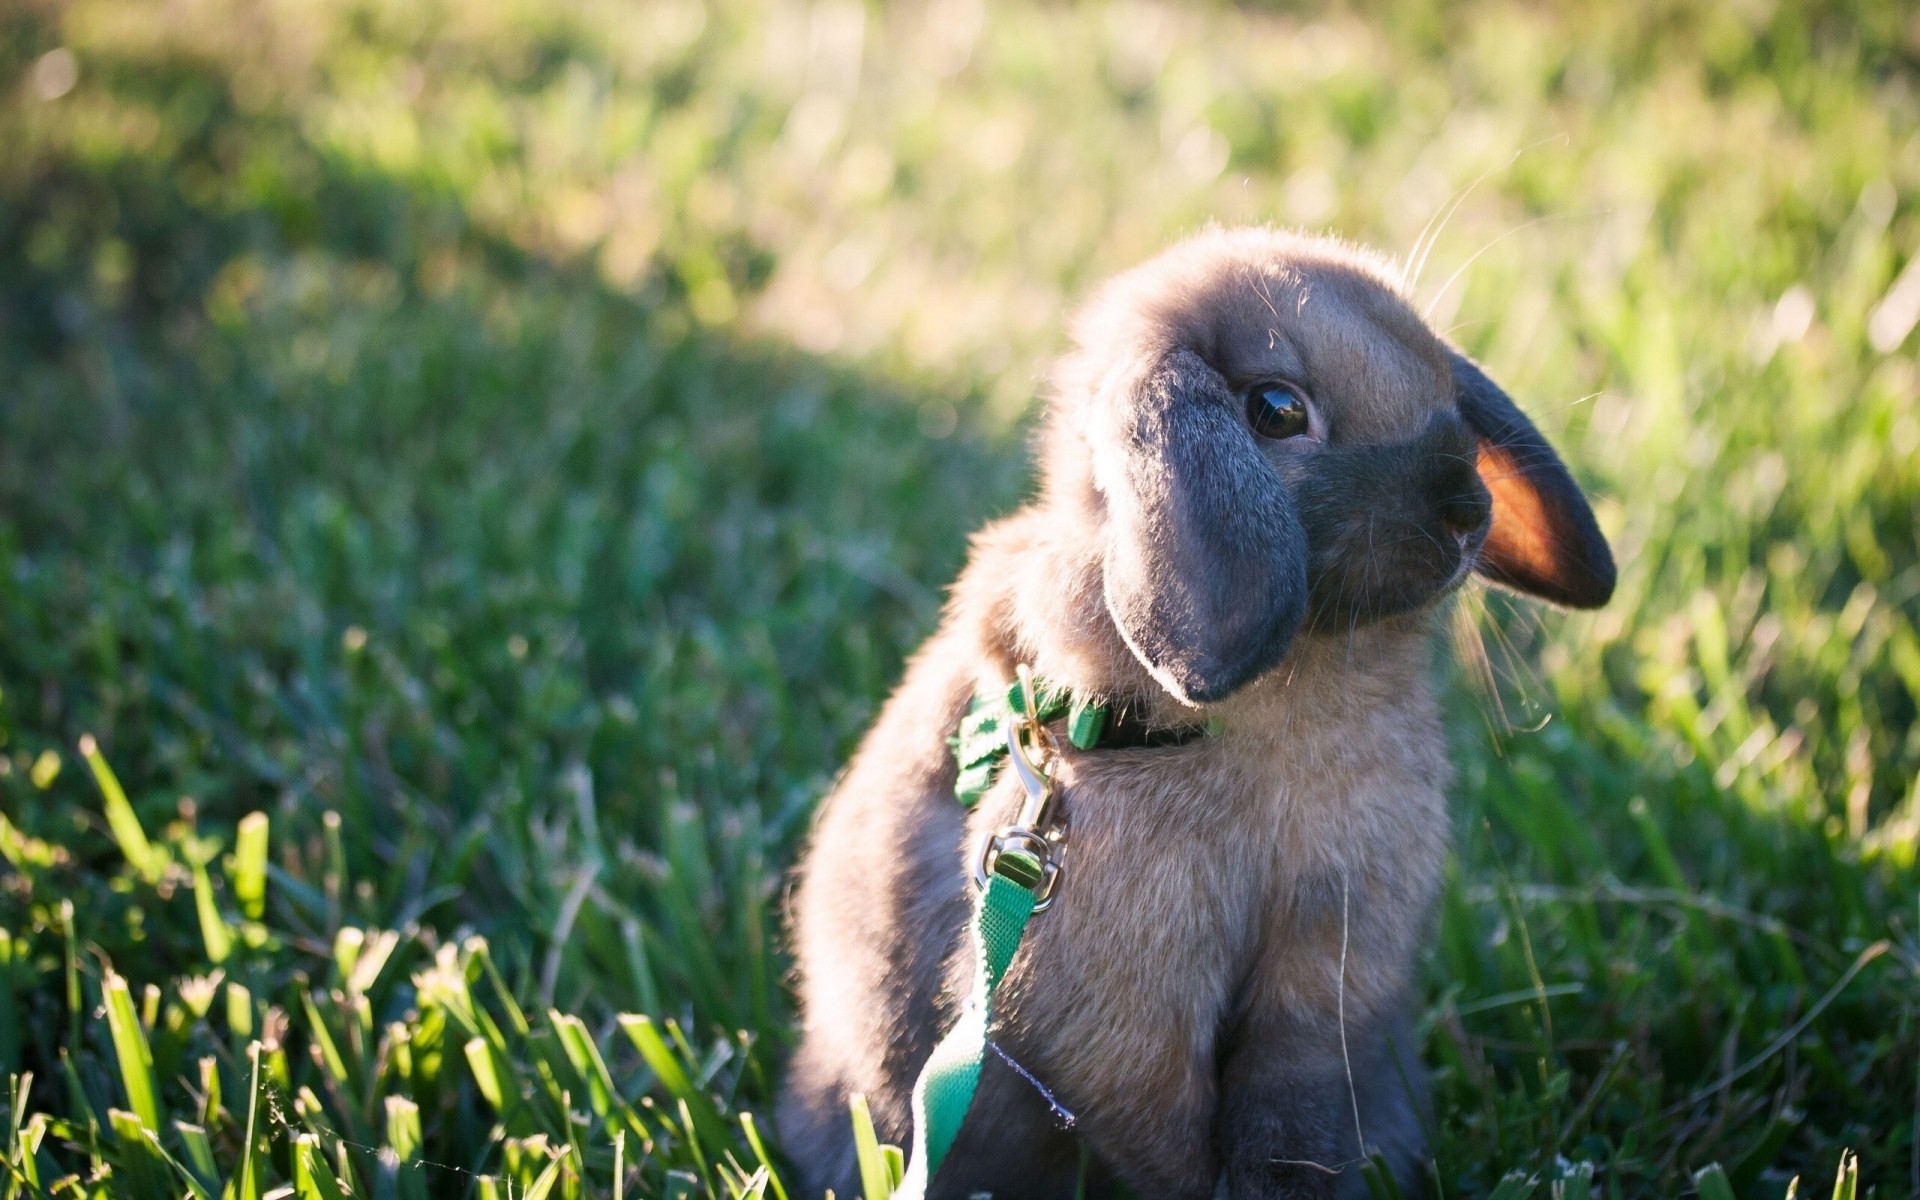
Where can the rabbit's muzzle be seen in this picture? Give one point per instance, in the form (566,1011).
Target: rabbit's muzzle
(1390,527)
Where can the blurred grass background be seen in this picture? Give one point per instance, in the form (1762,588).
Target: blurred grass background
(510,447)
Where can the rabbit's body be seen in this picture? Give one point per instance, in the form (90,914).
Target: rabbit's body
(1204,885)
(1218,994)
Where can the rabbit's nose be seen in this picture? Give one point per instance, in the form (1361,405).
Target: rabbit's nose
(1459,497)
(1465,515)
(1466,512)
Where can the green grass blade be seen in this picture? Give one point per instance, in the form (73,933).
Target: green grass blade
(70,962)
(215,933)
(619,1164)
(26,1163)
(666,1067)
(875,1178)
(19,1090)
(1846,1180)
(249,878)
(694,1145)
(646,989)
(130,1047)
(404,1142)
(516,1017)
(122,822)
(1712,1183)
(76,1091)
(210,1107)
(239,1014)
(199,1151)
(1381,1185)
(147,860)
(752,1130)
(375,951)
(313,1179)
(9,1012)
(577,1044)
(331,1059)
(486,1073)
(1514,1185)
(139,1162)
(199,1182)
(544,1185)
(403,1128)
(1575,1182)
(247,1187)
(334,880)
(346,950)
(24,1135)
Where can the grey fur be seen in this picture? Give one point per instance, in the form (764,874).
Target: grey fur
(1206,563)
(1220,993)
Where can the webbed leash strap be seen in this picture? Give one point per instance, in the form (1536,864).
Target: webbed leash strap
(946,1085)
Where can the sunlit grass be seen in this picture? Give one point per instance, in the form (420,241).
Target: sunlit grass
(474,470)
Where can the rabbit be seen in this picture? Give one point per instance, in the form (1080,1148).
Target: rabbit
(1261,474)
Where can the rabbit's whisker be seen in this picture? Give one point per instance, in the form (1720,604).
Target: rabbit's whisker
(1346,1058)
(1423,244)
(1471,647)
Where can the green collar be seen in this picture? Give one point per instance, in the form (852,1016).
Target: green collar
(981,745)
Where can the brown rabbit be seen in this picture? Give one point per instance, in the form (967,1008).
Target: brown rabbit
(1260,475)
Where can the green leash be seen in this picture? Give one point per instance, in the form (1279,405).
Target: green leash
(946,1085)
(1017,870)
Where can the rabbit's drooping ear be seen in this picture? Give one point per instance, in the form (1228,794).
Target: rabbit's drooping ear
(1544,540)
(1206,561)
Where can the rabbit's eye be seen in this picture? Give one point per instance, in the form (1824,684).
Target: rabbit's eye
(1277,410)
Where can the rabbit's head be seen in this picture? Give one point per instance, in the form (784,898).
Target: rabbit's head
(1270,441)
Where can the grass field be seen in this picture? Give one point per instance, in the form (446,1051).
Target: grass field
(470,471)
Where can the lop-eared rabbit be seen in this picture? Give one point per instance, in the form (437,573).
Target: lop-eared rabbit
(1260,475)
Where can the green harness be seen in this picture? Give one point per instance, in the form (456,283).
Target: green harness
(1017,870)
(981,745)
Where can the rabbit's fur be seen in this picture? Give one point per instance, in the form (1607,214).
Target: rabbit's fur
(1219,994)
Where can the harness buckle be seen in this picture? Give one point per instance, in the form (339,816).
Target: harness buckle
(1024,857)
(1029,851)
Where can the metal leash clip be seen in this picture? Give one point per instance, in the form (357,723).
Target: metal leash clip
(1031,850)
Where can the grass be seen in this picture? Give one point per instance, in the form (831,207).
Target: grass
(468,474)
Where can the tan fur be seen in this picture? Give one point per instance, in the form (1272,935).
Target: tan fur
(1202,903)
(1216,869)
